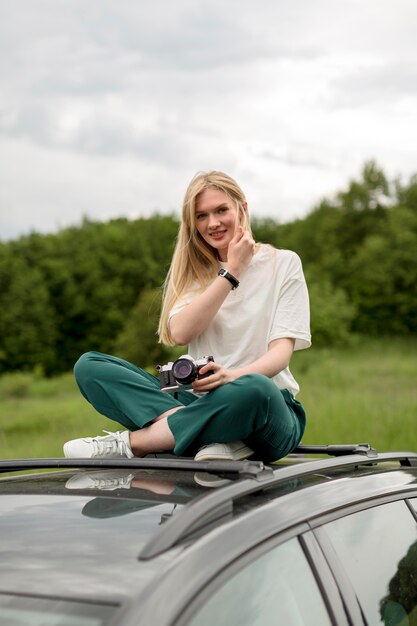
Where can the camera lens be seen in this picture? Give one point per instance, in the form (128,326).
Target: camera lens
(184,371)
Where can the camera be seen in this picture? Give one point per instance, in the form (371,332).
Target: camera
(180,374)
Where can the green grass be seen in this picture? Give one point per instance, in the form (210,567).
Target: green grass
(37,415)
(365,393)
(362,394)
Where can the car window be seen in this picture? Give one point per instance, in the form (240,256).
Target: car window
(277,588)
(378,549)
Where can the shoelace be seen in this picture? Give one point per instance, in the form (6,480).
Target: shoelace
(109,445)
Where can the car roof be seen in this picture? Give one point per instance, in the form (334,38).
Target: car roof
(107,529)
(84,542)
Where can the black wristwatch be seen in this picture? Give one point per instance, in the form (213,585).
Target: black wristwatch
(232,279)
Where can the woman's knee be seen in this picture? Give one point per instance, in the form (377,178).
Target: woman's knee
(84,366)
(254,389)
(257,385)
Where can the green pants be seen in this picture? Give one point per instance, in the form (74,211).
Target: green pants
(252,408)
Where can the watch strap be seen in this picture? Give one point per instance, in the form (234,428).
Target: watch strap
(232,279)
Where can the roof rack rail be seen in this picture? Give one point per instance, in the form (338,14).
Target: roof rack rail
(246,468)
(337,449)
(230,469)
(238,469)
(217,504)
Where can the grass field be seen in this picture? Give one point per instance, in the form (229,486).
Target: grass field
(365,393)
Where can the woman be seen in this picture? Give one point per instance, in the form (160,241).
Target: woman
(244,303)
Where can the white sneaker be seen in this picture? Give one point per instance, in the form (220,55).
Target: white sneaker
(111,446)
(107,481)
(232,451)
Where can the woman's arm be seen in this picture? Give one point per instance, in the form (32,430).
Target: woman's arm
(195,317)
(272,362)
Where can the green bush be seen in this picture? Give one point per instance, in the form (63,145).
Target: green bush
(16,384)
(331,314)
(138,341)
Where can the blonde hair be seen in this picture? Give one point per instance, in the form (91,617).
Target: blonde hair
(194,260)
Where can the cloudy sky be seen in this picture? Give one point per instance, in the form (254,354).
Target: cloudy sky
(109,107)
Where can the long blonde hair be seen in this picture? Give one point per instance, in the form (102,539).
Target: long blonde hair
(194,260)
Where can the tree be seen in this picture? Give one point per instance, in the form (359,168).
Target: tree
(27,323)
(138,341)
(385,271)
(331,312)
(407,194)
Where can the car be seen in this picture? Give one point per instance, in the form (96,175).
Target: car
(324,537)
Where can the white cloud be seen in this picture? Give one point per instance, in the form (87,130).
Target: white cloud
(110,108)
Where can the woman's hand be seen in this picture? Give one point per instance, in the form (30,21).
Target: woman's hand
(240,251)
(269,364)
(219,377)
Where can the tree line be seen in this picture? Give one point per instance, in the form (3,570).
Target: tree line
(97,286)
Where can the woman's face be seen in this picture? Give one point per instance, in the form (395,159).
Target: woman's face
(216,218)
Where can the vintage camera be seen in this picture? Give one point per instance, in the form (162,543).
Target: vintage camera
(180,374)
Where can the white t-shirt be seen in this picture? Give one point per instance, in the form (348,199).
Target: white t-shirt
(270,303)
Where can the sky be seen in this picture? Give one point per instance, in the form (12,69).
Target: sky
(109,107)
